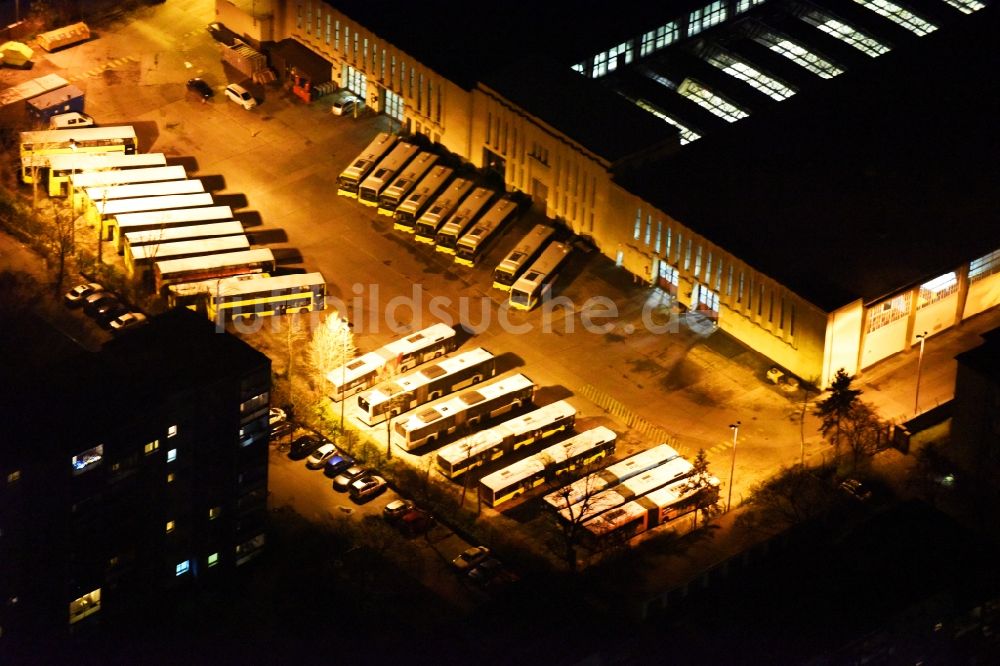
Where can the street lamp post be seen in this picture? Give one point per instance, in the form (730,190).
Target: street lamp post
(920,363)
(735,427)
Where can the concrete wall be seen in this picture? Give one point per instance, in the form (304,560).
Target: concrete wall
(254,21)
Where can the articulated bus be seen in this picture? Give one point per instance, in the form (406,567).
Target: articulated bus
(411,174)
(474,243)
(425,384)
(107,211)
(80,182)
(136,190)
(610,476)
(37,147)
(443,417)
(350,178)
(657,508)
(141,257)
(462,219)
(158,220)
(173,234)
(500,440)
(277,295)
(212,266)
(537,281)
(527,250)
(637,486)
(422,195)
(63,168)
(513,480)
(376,182)
(431,220)
(399,356)
(195,295)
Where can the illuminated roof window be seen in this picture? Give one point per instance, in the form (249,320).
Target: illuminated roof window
(816,64)
(847,34)
(771,87)
(708,100)
(662,80)
(687,134)
(966,6)
(900,16)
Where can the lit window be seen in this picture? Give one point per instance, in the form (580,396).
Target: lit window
(14,476)
(170,477)
(899,16)
(738,69)
(706,17)
(886,312)
(984,266)
(214,512)
(579,67)
(846,33)
(170,526)
(710,101)
(86,605)
(638,224)
(88,459)
(183,567)
(937,289)
(966,6)
(745,5)
(172,431)
(654,40)
(152,446)
(171,455)
(800,56)
(213,559)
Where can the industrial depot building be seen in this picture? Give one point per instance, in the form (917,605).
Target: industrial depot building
(817,177)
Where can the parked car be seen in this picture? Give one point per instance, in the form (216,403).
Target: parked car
(485,571)
(470,557)
(321,455)
(345,478)
(856,489)
(76,296)
(367,487)
(241,96)
(416,522)
(282,428)
(97,304)
(337,464)
(304,446)
(345,105)
(201,87)
(106,315)
(127,321)
(397,508)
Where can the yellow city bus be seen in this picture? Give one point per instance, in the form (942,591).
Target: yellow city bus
(282,294)
(38,146)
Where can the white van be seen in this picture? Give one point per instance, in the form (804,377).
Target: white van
(70,120)
(240,95)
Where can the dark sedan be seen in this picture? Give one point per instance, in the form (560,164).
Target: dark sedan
(201,87)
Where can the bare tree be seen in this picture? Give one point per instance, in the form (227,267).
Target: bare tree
(704,487)
(574,508)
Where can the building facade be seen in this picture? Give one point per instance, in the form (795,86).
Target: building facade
(129,474)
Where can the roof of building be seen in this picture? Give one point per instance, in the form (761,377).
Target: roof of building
(597,118)
(91,394)
(881,179)
(466,42)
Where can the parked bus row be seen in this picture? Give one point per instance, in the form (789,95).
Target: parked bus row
(164,224)
(453,215)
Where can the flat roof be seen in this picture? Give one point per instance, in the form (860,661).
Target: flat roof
(878,180)
(465,42)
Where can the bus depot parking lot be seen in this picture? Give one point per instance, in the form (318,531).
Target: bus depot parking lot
(608,346)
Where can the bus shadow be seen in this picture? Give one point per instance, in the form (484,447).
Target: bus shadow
(232,200)
(146,131)
(545,395)
(286,255)
(213,182)
(264,236)
(289,270)
(249,218)
(508,361)
(189,162)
